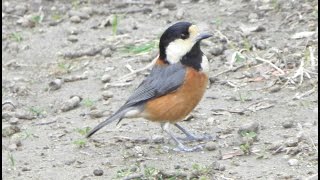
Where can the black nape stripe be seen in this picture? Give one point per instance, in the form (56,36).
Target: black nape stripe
(194,57)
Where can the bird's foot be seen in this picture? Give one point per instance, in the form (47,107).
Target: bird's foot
(198,138)
(182,148)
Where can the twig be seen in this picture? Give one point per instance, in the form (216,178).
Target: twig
(128,66)
(299,72)
(307,93)
(274,66)
(139,70)
(46,123)
(8,102)
(312,58)
(301,129)
(229,70)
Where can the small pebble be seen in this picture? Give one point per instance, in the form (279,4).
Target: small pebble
(107,95)
(69,162)
(75,19)
(22,114)
(275,89)
(253,16)
(25,169)
(73,31)
(95,113)
(164,12)
(73,38)
(180,13)
(106,78)
(287,124)
(55,84)
(217,166)
(7,115)
(293,162)
(170,6)
(249,127)
(260,44)
(98,172)
(216,51)
(275,145)
(71,103)
(14,121)
(106,52)
(81,15)
(211,146)
(292,142)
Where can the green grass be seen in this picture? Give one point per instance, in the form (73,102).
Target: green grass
(114,24)
(202,171)
(150,172)
(75,4)
(87,102)
(80,143)
(26,134)
(37,111)
(36,19)
(142,48)
(247,44)
(11,159)
(239,57)
(56,16)
(16,36)
(275,5)
(64,66)
(249,136)
(83,131)
(123,173)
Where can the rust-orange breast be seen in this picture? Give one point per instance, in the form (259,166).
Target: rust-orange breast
(177,105)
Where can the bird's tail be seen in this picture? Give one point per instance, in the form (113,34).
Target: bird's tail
(115,116)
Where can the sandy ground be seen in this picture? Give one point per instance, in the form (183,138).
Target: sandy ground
(63,64)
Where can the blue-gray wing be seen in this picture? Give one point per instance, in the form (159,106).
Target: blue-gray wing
(161,80)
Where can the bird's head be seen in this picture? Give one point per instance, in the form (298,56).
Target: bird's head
(178,40)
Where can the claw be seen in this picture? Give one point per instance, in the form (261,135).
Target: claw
(198,138)
(192,137)
(182,148)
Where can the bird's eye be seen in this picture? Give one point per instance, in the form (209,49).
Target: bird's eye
(183,36)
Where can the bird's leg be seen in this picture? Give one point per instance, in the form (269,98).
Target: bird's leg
(192,137)
(180,146)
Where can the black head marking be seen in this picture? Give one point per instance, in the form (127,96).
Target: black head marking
(179,30)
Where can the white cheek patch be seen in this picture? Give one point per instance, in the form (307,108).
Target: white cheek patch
(177,49)
(205,65)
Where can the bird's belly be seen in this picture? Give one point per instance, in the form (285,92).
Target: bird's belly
(175,106)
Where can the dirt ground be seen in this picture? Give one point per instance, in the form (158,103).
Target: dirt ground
(64,65)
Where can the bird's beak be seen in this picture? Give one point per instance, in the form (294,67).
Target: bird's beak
(202,36)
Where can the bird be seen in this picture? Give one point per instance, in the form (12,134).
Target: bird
(174,87)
